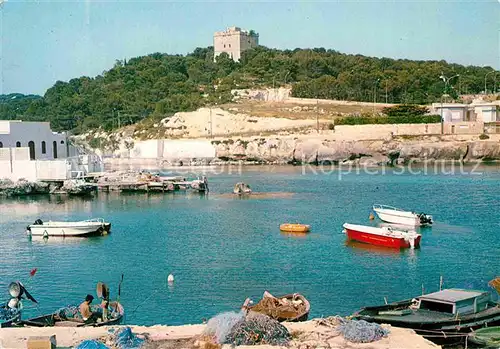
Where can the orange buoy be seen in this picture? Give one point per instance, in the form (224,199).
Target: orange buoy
(295,227)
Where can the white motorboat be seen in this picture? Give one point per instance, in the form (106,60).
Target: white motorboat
(91,227)
(398,216)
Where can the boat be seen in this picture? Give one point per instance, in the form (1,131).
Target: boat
(291,307)
(241,188)
(488,337)
(295,228)
(395,215)
(91,227)
(439,315)
(384,236)
(70,317)
(10,312)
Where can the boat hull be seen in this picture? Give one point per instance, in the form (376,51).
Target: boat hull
(439,330)
(365,236)
(398,217)
(295,228)
(74,230)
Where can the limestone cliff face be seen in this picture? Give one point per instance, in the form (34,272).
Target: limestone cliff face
(288,150)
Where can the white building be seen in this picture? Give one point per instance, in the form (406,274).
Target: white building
(37,136)
(30,150)
(234,41)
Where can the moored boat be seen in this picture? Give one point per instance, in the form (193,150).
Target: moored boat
(295,228)
(395,215)
(384,236)
(439,315)
(70,317)
(241,188)
(291,307)
(91,227)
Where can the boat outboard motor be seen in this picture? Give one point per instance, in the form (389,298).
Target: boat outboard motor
(38,222)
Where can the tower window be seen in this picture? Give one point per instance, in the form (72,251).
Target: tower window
(229,45)
(44,147)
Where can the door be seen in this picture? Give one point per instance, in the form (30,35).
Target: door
(31,145)
(54,146)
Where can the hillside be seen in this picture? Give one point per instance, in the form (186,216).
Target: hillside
(158,85)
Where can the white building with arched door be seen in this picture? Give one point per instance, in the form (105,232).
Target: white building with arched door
(43,143)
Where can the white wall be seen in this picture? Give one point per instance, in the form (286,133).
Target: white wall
(182,149)
(24,132)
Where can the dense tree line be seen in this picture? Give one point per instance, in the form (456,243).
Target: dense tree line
(159,84)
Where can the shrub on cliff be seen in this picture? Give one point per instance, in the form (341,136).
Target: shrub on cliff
(385,119)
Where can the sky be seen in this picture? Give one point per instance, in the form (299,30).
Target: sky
(45,41)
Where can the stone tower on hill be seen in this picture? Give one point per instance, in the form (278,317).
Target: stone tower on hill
(234,41)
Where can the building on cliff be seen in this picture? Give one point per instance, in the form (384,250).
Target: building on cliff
(234,41)
(31,150)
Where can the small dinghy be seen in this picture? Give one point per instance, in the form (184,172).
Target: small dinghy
(398,216)
(384,236)
(295,228)
(290,307)
(91,227)
(241,189)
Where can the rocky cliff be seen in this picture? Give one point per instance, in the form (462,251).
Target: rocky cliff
(377,152)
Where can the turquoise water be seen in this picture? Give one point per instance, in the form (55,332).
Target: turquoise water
(222,249)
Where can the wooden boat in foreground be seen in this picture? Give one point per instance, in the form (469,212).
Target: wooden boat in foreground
(395,215)
(438,315)
(384,236)
(91,227)
(295,228)
(291,307)
(61,318)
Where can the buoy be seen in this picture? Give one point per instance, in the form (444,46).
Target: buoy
(372,217)
(170,278)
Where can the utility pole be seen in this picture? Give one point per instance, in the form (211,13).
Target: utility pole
(317,116)
(446,81)
(210,122)
(485,90)
(385,91)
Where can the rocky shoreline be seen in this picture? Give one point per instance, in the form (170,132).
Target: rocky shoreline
(376,152)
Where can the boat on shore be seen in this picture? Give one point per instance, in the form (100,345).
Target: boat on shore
(447,314)
(395,215)
(291,307)
(295,228)
(91,227)
(384,236)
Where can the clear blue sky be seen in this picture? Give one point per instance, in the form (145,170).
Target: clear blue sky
(43,41)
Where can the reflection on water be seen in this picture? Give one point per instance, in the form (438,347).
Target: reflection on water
(294,235)
(357,246)
(60,240)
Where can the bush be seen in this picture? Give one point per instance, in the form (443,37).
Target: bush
(484,136)
(401,119)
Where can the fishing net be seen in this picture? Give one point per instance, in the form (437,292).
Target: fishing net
(220,325)
(495,283)
(91,344)
(361,331)
(125,339)
(258,329)
(252,329)
(7,313)
(73,312)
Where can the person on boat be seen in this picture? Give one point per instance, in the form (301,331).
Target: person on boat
(88,315)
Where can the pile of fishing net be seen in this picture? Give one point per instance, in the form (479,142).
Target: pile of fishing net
(252,329)
(122,338)
(360,331)
(280,309)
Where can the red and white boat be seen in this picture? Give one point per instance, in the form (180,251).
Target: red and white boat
(384,236)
